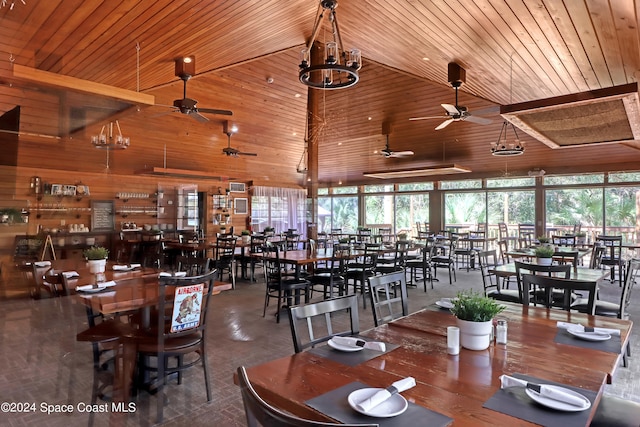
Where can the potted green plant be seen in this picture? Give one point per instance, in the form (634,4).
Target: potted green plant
(245,236)
(474,315)
(269,231)
(544,254)
(581,238)
(96,258)
(543,240)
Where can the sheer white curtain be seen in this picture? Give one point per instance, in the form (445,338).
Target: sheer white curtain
(281,208)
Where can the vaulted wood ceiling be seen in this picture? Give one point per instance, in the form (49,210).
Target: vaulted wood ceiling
(514,51)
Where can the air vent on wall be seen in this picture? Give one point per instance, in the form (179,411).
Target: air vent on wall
(237,187)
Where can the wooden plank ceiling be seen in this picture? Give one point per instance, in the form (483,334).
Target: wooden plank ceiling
(246,51)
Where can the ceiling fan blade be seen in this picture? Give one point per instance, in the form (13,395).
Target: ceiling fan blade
(214,111)
(247,154)
(478,120)
(445,124)
(428,117)
(451,109)
(199,117)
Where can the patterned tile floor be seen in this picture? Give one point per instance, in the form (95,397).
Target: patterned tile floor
(41,363)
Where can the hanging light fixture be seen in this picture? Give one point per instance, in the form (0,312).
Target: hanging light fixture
(504,148)
(108,141)
(340,68)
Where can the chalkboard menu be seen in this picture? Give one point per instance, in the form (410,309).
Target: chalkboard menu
(103,215)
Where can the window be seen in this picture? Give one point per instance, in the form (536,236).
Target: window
(574,179)
(410,209)
(566,207)
(378,188)
(187,207)
(345,190)
(624,177)
(280,208)
(461,185)
(510,182)
(418,186)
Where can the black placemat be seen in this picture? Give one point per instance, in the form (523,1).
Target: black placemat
(336,405)
(614,345)
(350,358)
(515,402)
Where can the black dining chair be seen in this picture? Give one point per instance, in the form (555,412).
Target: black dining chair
(388,297)
(261,413)
(280,287)
(488,260)
(612,255)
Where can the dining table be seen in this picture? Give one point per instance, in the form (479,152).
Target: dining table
(459,390)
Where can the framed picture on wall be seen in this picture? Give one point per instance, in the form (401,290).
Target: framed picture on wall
(241,206)
(68,190)
(56,190)
(82,190)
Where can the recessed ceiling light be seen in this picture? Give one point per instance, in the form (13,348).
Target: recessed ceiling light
(297,95)
(295,133)
(425,59)
(369,118)
(339,143)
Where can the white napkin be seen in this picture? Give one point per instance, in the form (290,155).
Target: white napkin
(135,265)
(356,342)
(102,285)
(174,274)
(382,395)
(70,274)
(544,391)
(42,263)
(120,267)
(579,328)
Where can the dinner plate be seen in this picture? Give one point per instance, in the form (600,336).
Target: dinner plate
(341,347)
(556,404)
(589,336)
(444,304)
(393,406)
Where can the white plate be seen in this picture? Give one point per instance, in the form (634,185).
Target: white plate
(341,347)
(92,290)
(556,404)
(395,405)
(589,336)
(444,304)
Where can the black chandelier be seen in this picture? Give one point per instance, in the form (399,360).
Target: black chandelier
(340,68)
(502,147)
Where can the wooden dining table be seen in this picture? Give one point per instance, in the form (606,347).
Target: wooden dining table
(454,386)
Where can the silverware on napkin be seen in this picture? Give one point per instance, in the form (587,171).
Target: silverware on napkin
(357,342)
(580,328)
(544,391)
(102,285)
(384,394)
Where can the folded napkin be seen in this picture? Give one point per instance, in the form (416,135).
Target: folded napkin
(135,265)
(356,342)
(70,274)
(174,274)
(382,395)
(544,391)
(579,328)
(42,263)
(102,285)
(125,267)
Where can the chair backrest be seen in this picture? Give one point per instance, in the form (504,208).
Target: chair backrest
(567,285)
(257,243)
(504,256)
(632,274)
(487,260)
(194,266)
(503,230)
(183,304)
(272,266)
(596,257)
(225,249)
(613,246)
(387,304)
(566,240)
(563,271)
(317,330)
(567,257)
(260,413)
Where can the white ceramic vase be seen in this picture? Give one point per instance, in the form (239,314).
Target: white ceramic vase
(97,265)
(544,261)
(246,239)
(475,335)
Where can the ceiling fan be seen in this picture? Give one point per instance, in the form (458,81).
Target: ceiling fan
(228,150)
(185,68)
(387,153)
(455,113)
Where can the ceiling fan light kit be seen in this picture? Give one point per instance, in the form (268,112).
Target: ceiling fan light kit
(504,148)
(340,68)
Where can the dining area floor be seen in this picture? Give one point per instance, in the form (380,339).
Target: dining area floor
(46,375)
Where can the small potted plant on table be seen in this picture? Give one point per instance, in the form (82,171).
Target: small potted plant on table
(474,315)
(97,258)
(245,236)
(544,254)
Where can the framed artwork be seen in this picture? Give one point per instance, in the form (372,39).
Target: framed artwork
(56,190)
(241,206)
(68,190)
(82,190)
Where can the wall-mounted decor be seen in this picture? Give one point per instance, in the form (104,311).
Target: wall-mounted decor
(68,190)
(82,190)
(56,190)
(241,206)
(237,187)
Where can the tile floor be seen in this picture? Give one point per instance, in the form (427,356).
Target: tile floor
(41,362)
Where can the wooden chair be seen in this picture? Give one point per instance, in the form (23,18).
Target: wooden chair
(549,285)
(179,330)
(488,260)
(194,266)
(503,235)
(317,330)
(612,309)
(386,303)
(260,413)
(615,411)
(278,286)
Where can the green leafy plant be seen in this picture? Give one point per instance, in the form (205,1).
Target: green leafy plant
(269,229)
(245,233)
(475,307)
(543,239)
(544,251)
(96,253)
(581,234)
